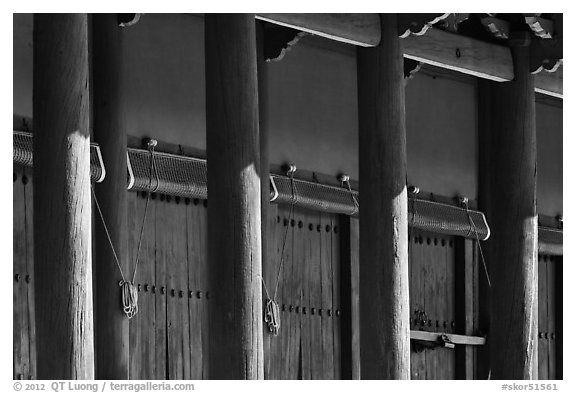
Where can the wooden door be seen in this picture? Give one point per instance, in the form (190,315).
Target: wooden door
(304,256)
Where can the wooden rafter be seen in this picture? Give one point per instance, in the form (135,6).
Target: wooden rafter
(437,47)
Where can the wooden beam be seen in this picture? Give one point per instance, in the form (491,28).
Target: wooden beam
(356,29)
(111,332)
(62,201)
(384,306)
(234,215)
(550,83)
(461,54)
(478,58)
(550,249)
(458,339)
(507,192)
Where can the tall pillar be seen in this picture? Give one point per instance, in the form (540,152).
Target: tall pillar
(111,332)
(507,194)
(384,306)
(234,199)
(62,201)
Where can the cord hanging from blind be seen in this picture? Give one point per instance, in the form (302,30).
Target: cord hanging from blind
(129,293)
(271,310)
(464,202)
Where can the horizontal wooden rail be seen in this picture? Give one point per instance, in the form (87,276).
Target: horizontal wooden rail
(436,47)
(457,339)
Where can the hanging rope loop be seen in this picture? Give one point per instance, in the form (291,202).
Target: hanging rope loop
(129,298)
(272,316)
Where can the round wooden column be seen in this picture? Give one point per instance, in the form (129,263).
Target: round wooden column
(234,199)
(112,334)
(62,201)
(507,194)
(384,306)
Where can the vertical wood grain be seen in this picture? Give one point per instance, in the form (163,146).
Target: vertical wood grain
(262,70)
(291,297)
(176,272)
(62,201)
(385,330)
(346,251)
(432,303)
(464,305)
(298,259)
(137,326)
(195,239)
(29,205)
(315,289)
(355,296)
(112,326)
(449,256)
(20,328)
(542,318)
(147,275)
(326,288)
(269,271)
(206,305)
(162,366)
(306,319)
(336,295)
(507,194)
(552,310)
(417,297)
(559,294)
(234,212)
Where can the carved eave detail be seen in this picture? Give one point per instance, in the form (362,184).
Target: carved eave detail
(417,24)
(546,54)
(279,40)
(411,67)
(127,20)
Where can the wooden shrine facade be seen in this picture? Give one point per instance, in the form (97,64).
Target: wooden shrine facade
(362,293)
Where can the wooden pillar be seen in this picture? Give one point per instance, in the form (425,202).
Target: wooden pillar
(507,194)
(111,331)
(263,133)
(384,307)
(262,69)
(234,216)
(62,202)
